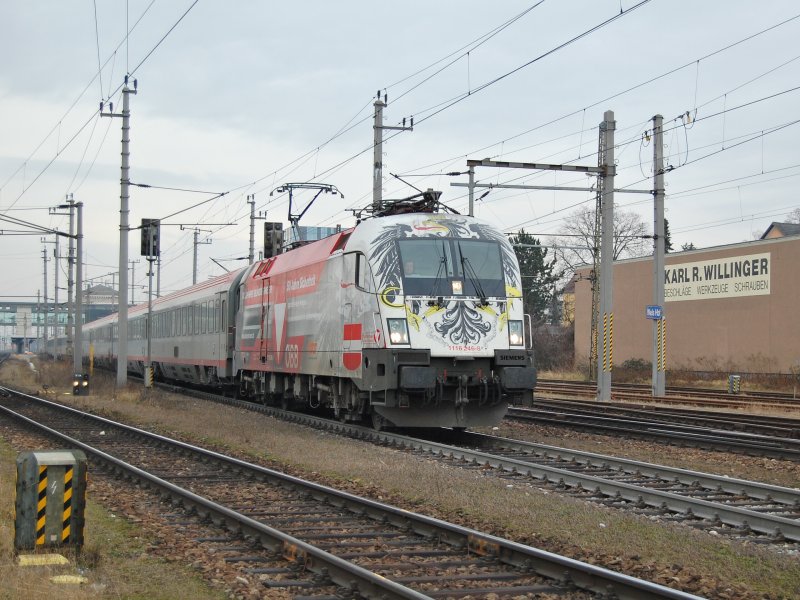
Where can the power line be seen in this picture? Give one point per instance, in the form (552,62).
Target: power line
(74,103)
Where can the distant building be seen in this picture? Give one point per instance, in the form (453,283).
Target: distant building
(777,230)
(100,294)
(568,303)
(310,234)
(731,307)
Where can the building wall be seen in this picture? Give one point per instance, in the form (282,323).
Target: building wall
(705,319)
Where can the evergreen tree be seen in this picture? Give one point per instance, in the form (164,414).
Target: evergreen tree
(667,237)
(538,278)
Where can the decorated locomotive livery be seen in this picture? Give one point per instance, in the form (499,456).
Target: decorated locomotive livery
(408,320)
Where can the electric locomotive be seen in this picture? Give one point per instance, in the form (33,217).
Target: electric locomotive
(412,320)
(409,320)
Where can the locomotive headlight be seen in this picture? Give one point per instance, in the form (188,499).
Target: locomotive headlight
(398,331)
(515,337)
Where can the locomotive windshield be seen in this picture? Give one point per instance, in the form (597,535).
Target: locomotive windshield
(451,267)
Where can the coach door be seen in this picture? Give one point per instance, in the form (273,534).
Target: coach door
(264,334)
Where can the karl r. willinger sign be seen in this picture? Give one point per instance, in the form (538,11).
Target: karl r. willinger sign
(730,277)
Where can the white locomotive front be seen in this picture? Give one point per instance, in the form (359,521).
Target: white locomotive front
(415,320)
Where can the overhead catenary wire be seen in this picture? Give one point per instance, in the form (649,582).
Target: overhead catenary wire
(74,103)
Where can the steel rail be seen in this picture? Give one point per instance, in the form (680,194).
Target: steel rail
(736,421)
(563,569)
(784,448)
(763,491)
(730,515)
(714,512)
(341,572)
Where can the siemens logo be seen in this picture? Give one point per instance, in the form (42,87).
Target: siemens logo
(506,359)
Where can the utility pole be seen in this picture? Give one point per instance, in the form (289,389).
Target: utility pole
(195,243)
(77,348)
(471,186)
(251,200)
(659,249)
(377,155)
(377,150)
(56,258)
(605,360)
(46,308)
(133,264)
(70,280)
(124,196)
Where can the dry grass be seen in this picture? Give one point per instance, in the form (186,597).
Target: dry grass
(455,493)
(114,559)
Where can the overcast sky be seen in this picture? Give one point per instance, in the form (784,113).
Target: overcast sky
(242,96)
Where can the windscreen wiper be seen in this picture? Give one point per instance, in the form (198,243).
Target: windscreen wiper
(466,267)
(437,281)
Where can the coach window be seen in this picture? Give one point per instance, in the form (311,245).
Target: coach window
(216,315)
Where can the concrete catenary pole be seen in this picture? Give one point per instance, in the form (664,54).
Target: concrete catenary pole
(606,279)
(377,154)
(46,308)
(56,258)
(472,191)
(133,281)
(124,197)
(194,262)
(70,278)
(77,349)
(251,200)
(659,249)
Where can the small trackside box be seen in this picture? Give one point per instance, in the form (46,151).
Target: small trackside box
(51,499)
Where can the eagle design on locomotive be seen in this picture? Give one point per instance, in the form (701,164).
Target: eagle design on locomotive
(406,320)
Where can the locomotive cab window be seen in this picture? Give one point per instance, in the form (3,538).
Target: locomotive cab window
(451,267)
(362,271)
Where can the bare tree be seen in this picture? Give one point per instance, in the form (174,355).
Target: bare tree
(576,242)
(794,216)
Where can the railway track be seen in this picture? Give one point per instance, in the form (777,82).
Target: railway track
(772,437)
(759,512)
(633,392)
(316,541)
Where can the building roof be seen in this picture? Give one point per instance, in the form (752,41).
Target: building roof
(777,229)
(101,289)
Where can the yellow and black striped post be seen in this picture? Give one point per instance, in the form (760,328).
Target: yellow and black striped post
(605,341)
(611,342)
(663,351)
(41,506)
(65,519)
(50,499)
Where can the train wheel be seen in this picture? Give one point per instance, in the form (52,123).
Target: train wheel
(378,422)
